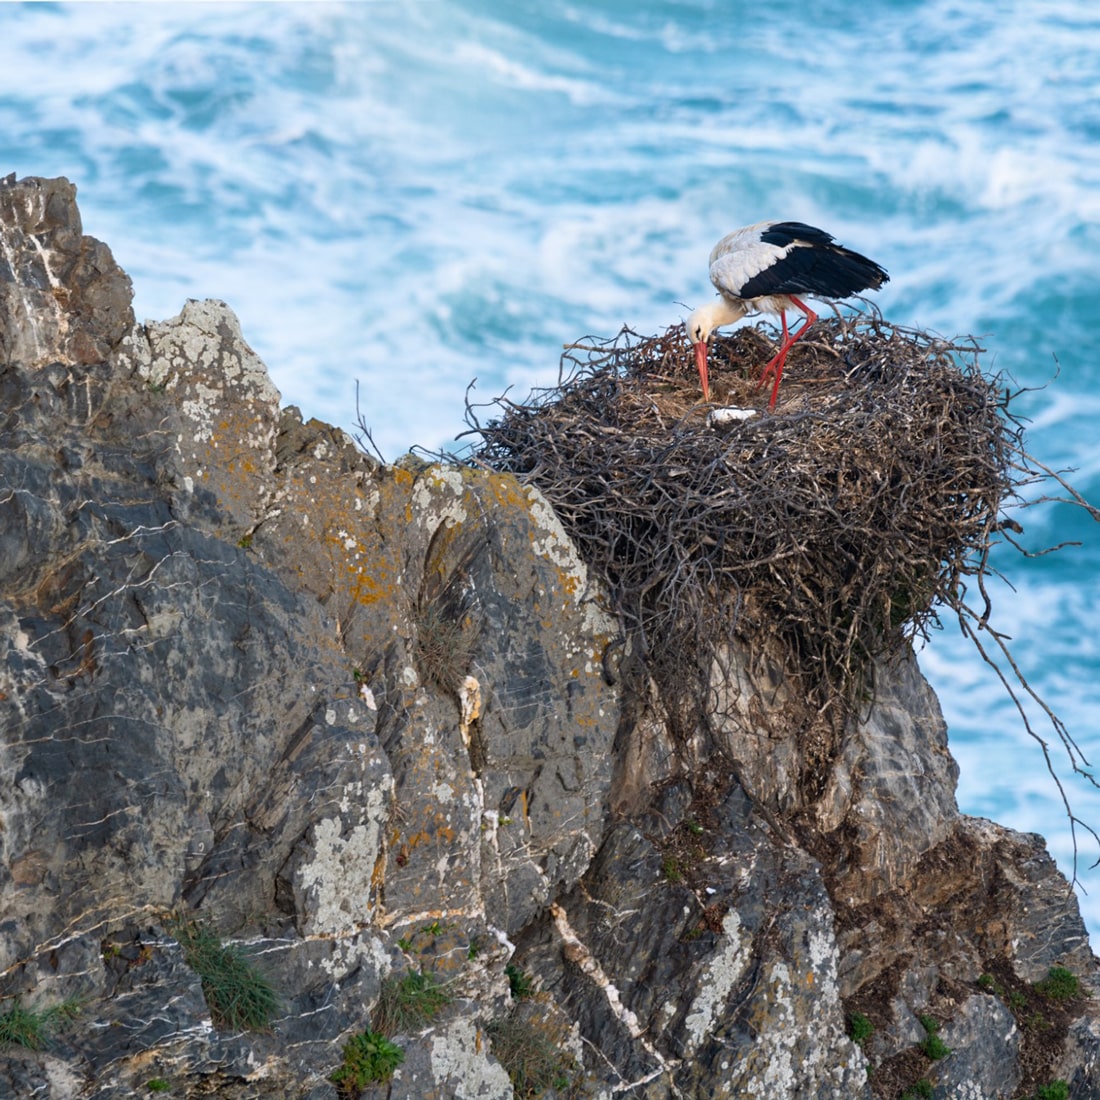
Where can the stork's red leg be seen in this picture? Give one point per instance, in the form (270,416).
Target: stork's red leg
(780,355)
(810,318)
(776,363)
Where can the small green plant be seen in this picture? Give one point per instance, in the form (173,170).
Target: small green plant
(245,542)
(409,1002)
(237,993)
(405,944)
(158,1084)
(1014,998)
(1056,1090)
(670,868)
(368,1058)
(530,1050)
(919,1090)
(473,950)
(33,1028)
(933,1046)
(695,828)
(860,1028)
(519,982)
(434,929)
(1060,984)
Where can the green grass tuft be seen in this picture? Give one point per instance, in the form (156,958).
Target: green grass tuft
(444,648)
(368,1058)
(520,983)
(238,995)
(531,1053)
(410,1002)
(670,868)
(919,1090)
(33,1028)
(860,1029)
(1056,1090)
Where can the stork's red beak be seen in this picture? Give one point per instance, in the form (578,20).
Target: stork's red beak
(701,363)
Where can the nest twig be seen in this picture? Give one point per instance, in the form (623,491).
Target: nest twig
(840,525)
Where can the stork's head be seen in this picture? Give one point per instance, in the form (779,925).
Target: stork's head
(700,327)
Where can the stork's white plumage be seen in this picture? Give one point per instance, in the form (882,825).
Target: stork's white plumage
(761,269)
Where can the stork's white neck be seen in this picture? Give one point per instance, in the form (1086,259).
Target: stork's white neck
(713,315)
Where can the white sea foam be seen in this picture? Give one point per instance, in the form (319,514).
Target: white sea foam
(414,195)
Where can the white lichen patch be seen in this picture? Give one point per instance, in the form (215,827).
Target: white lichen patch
(337,881)
(199,410)
(801,1045)
(968,1090)
(203,350)
(557,547)
(822,952)
(719,978)
(349,797)
(771,1063)
(439,497)
(461,1067)
(443,792)
(243,369)
(372,502)
(357,952)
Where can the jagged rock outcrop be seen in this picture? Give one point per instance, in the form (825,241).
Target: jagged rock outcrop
(357,717)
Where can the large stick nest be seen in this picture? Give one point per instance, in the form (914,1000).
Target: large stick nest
(835,523)
(831,531)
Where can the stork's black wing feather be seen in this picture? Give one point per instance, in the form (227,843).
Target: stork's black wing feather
(785,233)
(814,265)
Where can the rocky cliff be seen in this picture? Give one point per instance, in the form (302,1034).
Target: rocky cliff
(355,722)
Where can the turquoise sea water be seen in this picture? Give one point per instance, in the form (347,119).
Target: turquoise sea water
(411,195)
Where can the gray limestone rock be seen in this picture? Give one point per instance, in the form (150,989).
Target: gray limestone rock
(355,719)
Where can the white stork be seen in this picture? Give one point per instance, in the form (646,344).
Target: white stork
(761,269)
